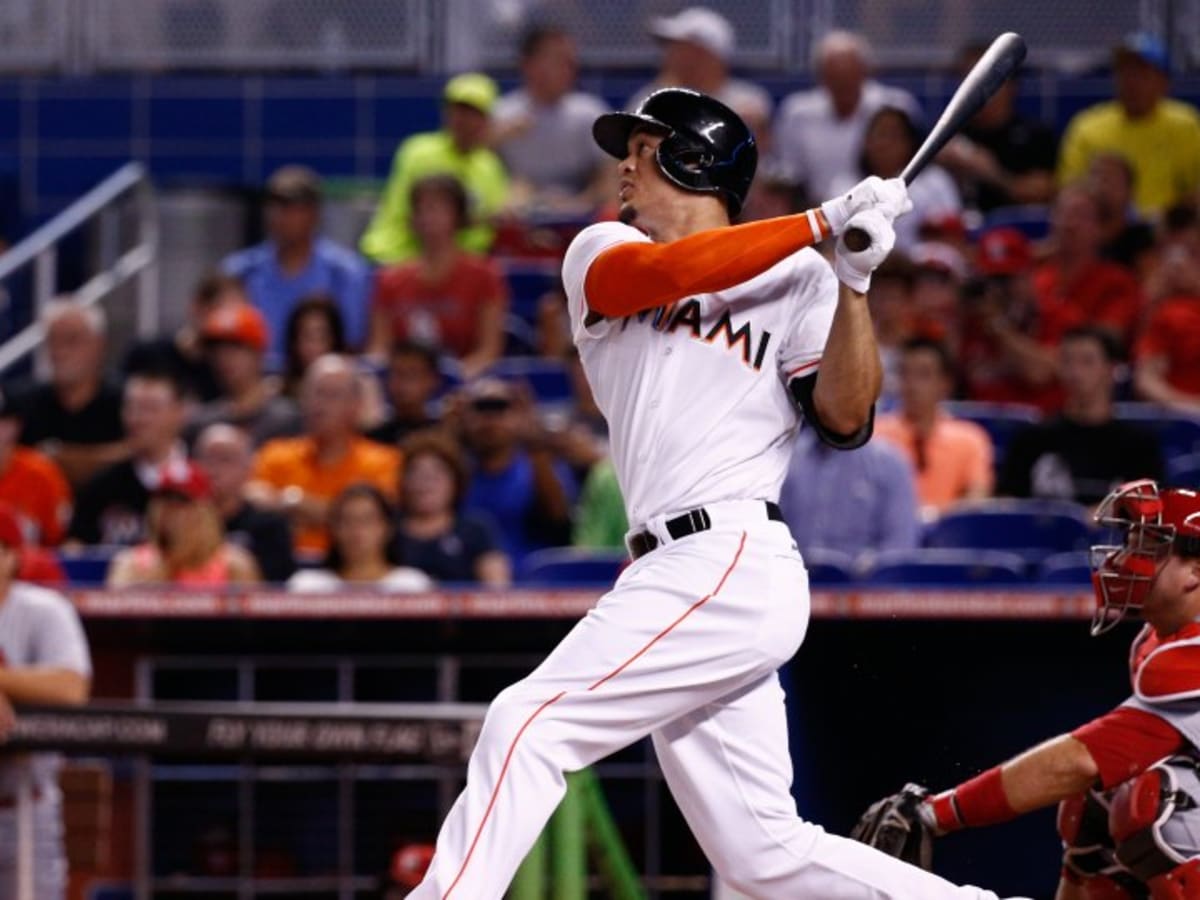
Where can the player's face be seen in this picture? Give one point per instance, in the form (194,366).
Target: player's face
(642,189)
(1177,583)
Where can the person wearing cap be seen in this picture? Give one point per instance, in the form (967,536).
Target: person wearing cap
(461,148)
(543,129)
(44,660)
(819,132)
(1159,136)
(30,483)
(296,261)
(186,542)
(698,45)
(236,339)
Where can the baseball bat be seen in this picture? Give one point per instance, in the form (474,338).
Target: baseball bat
(992,70)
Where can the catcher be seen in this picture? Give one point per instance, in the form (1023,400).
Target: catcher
(1127,783)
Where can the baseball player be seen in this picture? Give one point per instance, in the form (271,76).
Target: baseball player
(1128,783)
(704,345)
(43,659)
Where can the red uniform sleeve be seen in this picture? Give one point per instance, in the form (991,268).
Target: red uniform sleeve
(1126,742)
(712,260)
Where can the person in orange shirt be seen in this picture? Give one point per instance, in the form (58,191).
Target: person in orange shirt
(952,458)
(300,476)
(31,484)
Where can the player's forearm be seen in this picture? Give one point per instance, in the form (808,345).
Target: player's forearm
(851,375)
(635,276)
(53,687)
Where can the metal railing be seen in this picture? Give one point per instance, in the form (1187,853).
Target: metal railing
(102,206)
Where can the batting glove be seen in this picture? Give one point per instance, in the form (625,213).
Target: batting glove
(854,267)
(889,197)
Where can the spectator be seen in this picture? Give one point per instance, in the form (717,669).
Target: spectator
(433,535)
(31,485)
(893,317)
(1168,350)
(78,413)
(361,551)
(111,507)
(852,501)
(186,543)
(45,662)
(543,129)
(183,352)
(300,476)
(314,329)
(413,378)
(600,519)
(889,142)
(1085,452)
(236,340)
(1159,137)
(459,149)
(552,326)
(446,296)
(226,456)
(516,480)
(939,271)
(297,262)
(698,46)
(952,458)
(1001,157)
(578,435)
(1125,238)
(819,132)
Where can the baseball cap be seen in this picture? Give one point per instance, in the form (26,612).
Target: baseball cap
(472,89)
(697,25)
(187,481)
(237,323)
(1004,251)
(11,535)
(1147,47)
(490,394)
(294,184)
(935,256)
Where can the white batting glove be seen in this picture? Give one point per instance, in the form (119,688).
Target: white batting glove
(854,267)
(889,197)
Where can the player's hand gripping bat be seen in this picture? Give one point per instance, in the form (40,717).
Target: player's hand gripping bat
(994,67)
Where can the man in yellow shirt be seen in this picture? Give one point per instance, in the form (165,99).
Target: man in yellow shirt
(1159,137)
(460,149)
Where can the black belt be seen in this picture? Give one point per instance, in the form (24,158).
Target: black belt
(689,523)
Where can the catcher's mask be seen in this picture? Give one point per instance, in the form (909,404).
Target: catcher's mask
(1153,524)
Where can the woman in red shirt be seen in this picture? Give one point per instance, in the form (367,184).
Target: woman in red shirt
(446,296)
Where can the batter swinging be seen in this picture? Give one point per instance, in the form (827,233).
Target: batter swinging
(704,345)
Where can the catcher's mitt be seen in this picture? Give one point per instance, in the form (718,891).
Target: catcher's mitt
(894,826)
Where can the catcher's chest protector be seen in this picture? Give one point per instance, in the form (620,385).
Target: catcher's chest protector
(1155,822)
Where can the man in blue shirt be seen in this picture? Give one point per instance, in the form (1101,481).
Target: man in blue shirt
(852,501)
(295,262)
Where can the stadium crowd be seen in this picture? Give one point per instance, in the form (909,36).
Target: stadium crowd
(410,411)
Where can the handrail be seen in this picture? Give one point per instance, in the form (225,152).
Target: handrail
(72,217)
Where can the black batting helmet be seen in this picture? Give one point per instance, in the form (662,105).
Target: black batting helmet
(706,146)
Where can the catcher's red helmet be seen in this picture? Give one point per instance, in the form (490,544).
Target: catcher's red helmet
(1154,523)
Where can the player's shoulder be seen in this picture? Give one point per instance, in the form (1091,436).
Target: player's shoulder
(1170,667)
(594,239)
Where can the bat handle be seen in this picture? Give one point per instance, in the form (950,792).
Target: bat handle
(856,239)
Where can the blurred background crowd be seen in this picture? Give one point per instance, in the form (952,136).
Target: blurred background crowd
(402,405)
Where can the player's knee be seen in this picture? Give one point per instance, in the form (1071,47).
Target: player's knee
(508,725)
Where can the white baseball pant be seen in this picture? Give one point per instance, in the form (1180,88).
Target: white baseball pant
(685,648)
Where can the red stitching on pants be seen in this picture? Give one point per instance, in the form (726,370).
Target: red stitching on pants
(537,712)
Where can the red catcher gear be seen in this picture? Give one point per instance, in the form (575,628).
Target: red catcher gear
(1154,524)
(1159,853)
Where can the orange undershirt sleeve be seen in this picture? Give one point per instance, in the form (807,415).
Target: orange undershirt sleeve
(635,276)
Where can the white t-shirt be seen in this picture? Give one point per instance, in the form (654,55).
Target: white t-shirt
(816,148)
(400,580)
(557,151)
(695,393)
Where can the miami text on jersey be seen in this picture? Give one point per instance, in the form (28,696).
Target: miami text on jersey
(686,314)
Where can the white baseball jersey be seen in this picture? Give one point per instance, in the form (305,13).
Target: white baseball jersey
(695,393)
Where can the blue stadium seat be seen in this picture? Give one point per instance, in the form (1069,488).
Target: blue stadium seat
(528,280)
(87,566)
(1033,220)
(1178,434)
(1184,471)
(574,565)
(1031,528)
(1066,569)
(548,378)
(829,567)
(950,567)
(1000,420)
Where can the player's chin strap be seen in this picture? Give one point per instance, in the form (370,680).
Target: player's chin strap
(802,393)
